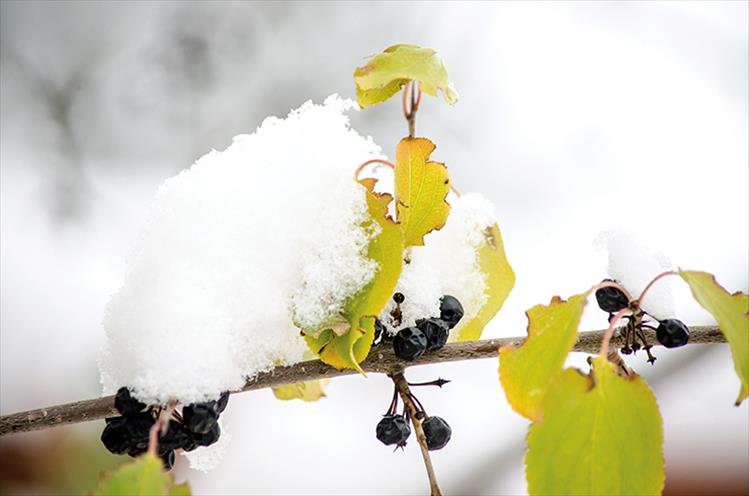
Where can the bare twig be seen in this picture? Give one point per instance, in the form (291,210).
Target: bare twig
(402,385)
(380,360)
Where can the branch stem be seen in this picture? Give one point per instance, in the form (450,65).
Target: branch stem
(381,360)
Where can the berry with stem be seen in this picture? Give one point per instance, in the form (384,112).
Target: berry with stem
(410,343)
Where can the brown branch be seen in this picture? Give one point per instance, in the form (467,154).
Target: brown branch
(380,360)
(402,385)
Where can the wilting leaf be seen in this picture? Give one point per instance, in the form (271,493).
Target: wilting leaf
(527,370)
(143,477)
(421,187)
(305,391)
(500,279)
(731,311)
(386,73)
(599,435)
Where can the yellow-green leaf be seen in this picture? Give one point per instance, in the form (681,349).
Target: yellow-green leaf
(305,391)
(180,490)
(143,477)
(527,370)
(731,311)
(421,187)
(384,74)
(500,279)
(347,349)
(599,435)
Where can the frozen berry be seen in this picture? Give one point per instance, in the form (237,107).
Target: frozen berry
(436,332)
(399,298)
(672,333)
(611,299)
(209,437)
(168,459)
(451,311)
(138,428)
(114,436)
(222,401)
(176,437)
(437,432)
(410,343)
(200,418)
(126,404)
(393,429)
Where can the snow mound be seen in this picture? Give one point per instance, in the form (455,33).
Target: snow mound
(634,264)
(207,458)
(236,247)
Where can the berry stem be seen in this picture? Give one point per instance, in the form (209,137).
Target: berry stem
(153,437)
(650,285)
(410,113)
(402,385)
(369,162)
(604,351)
(439,382)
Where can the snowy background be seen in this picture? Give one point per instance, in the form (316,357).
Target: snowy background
(574,119)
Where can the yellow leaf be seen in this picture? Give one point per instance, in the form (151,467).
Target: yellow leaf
(305,391)
(421,187)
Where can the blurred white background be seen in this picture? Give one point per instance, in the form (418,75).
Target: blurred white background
(574,118)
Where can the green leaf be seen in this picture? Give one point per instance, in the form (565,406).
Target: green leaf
(600,434)
(500,279)
(386,73)
(731,311)
(143,477)
(421,187)
(346,349)
(305,391)
(527,370)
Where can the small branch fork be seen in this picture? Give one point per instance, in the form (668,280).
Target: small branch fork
(405,393)
(409,111)
(380,360)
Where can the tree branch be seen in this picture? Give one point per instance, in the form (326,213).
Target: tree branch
(380,360)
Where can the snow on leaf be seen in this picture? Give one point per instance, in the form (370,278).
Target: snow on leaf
(731,311)
(600,434)
(526,371)
(347,350)
(143,477)
(421,187)
(385,73)
(499,280)
(305,391)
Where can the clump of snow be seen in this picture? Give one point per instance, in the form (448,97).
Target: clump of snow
(236,246)
(207,458)
(447,264)
(633,264)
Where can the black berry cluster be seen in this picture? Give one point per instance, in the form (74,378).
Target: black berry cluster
(671,333)
(129,434)
(428,334)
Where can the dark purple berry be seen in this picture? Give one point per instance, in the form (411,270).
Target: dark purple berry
(436,332)
(168,459)
(437,432)
(200,418)
(114,436)
(611,299)
(451,311)
(138,428)
(126,404)
(672,333)
(399,298)
(176,437)
(209,437)
(393,429)
(410,343)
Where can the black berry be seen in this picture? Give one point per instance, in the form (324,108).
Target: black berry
(611,299)
(393,429)
(177,436)
(672,333)
(200,418)
(126,404)
(168,459)
(138,428)
(451,311)
(410,343)
(114,436)
(208,438)
(437,432)
(436,332)
(222,401)
(399,298)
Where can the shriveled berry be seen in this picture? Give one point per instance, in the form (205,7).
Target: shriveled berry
(137,449)
(672,333)
(208,438)
(138,427)
(399,298)
(451,311)
(393,429)
(200,418)
(126,404)
(436,332)
(222,401)
(410,343)
(611,299)
(176,437)
(114,437)
(168,459)
(437,432)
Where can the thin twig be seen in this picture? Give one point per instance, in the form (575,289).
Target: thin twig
(402,385)
(380,360)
